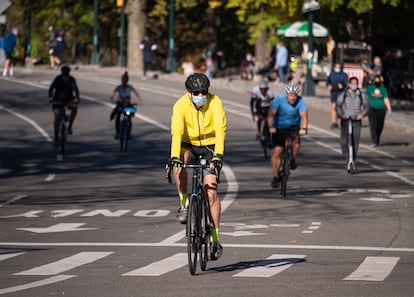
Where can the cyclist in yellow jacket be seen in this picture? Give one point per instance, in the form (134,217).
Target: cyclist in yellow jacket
(198,128)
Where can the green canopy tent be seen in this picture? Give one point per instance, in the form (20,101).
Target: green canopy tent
(300,29)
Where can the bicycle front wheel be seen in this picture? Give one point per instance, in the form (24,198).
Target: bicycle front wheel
(192,233)
(123,135)
(284,176)
(205,233)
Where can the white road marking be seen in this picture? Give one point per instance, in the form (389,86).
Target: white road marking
(44,282)
(106,213)
(62,227)
(30,121)
(65,264)
(241,233)
(376,199)
(285,225)
(27,214)
(271,266)
(374,269)
(230,245)
(50,177)
(161,267)
(14,199)
(9,255)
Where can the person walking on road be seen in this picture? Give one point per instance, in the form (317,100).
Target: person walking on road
(351,105)
(52,47)
(9,46)
(336,83)
(198,129)
(147,47)
(379,104)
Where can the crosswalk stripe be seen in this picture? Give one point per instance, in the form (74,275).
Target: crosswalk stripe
(373,269)
(10,255)
(43,282)
(161,267)
(65,264)
(271,266)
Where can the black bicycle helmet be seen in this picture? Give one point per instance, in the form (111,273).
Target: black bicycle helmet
(197,82)
(65,69)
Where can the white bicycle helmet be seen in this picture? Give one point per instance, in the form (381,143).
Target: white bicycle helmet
(292,88)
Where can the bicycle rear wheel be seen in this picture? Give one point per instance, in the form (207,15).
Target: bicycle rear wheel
(192,233)
(205,234)
(62,137)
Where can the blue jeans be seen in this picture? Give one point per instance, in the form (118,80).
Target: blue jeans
(281,70)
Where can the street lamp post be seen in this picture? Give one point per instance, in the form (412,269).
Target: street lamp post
(121,56)
(95,54)
(308,7)
(171,63)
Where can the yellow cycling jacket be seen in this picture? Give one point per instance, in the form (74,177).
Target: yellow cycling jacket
(200,127)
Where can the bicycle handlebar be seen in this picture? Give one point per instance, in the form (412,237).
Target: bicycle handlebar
(168,169)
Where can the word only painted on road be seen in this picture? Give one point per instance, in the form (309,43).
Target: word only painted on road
(150,213)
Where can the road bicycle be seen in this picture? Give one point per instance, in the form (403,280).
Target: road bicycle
(264,138)
(350,165)
(63,131)
(125,125)
(199,221)
(284,168)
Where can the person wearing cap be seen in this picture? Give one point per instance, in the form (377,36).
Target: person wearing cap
(287,110)
(9,46)
(64,91)
(198,129)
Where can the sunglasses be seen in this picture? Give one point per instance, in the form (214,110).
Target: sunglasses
(203,92)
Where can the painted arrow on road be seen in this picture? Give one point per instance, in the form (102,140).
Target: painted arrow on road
(62,227)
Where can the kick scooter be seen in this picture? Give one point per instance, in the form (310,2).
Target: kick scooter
(350,166)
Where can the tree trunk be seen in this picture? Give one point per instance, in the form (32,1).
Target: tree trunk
(261,50)
(135,11)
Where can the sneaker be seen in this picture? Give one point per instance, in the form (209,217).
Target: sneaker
(334,126)
(275,182)
(293,164)
(216,250)
(182,214)
(116,136)
(70,132)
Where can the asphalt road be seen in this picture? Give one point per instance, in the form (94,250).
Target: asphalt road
(102,222)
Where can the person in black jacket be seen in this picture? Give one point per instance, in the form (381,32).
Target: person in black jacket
(64,91)
(336,83)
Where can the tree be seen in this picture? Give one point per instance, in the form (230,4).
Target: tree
(136,25)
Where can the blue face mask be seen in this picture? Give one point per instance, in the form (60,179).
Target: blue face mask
(199,100)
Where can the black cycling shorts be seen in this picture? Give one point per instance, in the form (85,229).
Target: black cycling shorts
(278,138)
(197,152)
